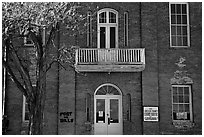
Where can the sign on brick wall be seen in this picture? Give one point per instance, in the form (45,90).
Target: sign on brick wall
(65,117)
(151,114)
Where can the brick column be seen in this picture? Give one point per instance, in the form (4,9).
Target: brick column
(66,108)
(150,87)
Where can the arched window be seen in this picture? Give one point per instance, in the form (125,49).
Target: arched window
(107,20)
(88,107)
(128,99)
(107,89)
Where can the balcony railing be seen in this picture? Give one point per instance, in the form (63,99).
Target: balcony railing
(110,57)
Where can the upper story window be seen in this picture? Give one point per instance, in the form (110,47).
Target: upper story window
(28,41)
(179,25)
(181,102)
(25,115)
(107,28)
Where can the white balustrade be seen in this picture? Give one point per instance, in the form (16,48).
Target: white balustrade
(110,56)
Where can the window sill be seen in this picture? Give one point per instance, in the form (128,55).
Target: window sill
(179,47)
(183,124)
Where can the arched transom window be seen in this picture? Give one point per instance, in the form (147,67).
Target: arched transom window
(107,89)
(107,28)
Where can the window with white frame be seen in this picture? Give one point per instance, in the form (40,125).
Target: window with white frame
(25,114)
(28,41)
(107,28)
(179,25)
(181,102)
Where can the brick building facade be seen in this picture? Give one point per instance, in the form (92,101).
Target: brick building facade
(138,71)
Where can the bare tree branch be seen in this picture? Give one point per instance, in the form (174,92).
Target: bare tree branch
(23,72)
(18,84)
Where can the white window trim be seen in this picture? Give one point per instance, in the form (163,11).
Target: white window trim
(107,26)
(23,110)
(188,25)
(25,42)
(190,101)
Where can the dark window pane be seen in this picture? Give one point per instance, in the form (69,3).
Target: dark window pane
(175,99)
(188,116)
(180,99)
(112,17)
(180,90)
(173,8)
(184,30)
(187,108)
(112,37)
(175,108)
(26,116)
(173,19)
(184,9)
(128,107)
(179,30)
(102,17)
(101,91)
(174,41)
(186,90)
(88,105)
(100,110)
(178,19)
(102,37)
(185,41)
(184,19)
(178,8)
(114,118)
(174,116)
(26,112)
(186,99)
(174,90)
(181,108)
(173,30)
(179,41)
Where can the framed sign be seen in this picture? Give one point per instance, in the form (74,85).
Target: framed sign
(151,114)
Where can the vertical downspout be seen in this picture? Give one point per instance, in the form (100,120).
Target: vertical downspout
(158,80)
(75,88)
(44,43)
(140,12)
(58,47)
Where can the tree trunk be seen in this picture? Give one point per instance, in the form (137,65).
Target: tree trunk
(35,124)
(36,109)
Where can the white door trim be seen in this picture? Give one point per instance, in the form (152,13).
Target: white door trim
(105,128)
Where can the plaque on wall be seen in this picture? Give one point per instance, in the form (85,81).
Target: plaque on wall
(150,114)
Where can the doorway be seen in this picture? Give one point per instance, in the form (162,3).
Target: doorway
(108,110)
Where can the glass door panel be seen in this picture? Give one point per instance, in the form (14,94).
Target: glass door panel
(102,37)
(112,37)
(100,111)
(114,111)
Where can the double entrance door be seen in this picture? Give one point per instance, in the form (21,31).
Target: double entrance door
(108,115)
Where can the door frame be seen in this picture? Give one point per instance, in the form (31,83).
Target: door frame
(108,97)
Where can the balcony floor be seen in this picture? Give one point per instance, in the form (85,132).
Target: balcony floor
(110,68)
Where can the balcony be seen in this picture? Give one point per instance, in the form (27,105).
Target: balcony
(110,60)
